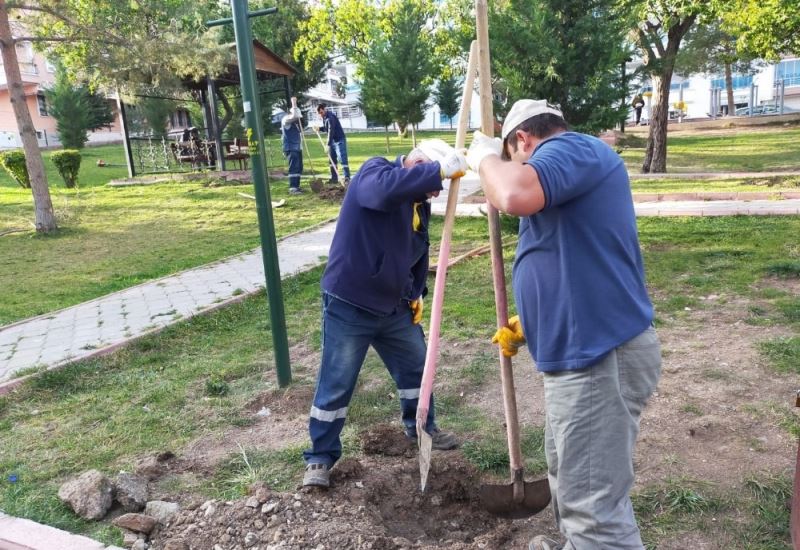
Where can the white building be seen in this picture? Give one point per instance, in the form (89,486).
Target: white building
(705,96)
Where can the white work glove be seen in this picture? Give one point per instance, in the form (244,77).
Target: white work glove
(454,165)
(482,146)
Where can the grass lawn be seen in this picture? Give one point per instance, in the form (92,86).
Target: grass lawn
(166,389)
(112,238)
(745,150)
(772,185)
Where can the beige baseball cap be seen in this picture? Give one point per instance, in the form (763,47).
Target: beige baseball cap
(524,109)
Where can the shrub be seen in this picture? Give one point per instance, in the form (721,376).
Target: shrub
(14,163)
(68,163)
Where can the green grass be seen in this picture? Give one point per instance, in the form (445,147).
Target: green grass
(783,354)
(676,507)
(687,258)
(746,150)
(114,238)
(772,185)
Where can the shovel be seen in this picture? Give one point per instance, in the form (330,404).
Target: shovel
(424,440)
(324,148)
(520,498)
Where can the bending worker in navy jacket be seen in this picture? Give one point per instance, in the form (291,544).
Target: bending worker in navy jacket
(372,294)
(336,148)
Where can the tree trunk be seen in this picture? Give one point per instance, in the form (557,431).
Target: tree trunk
(729,89)
(44,217)
(386,133)
(655,159)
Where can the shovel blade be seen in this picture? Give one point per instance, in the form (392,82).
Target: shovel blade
(499,500)
(425,442)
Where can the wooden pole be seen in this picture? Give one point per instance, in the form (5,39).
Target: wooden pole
(498,269)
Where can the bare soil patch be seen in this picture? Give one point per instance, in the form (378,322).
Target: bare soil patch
(715,419)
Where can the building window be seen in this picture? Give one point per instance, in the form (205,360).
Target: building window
(51,68)
(42,102)
(38,134)
(738,82)
(789,72)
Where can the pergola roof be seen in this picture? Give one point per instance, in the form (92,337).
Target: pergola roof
(268,65)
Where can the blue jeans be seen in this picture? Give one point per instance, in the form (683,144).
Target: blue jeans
(338,151)
(347,333)
(295,159)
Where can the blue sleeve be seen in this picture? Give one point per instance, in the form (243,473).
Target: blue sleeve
(568,166)
(382,185)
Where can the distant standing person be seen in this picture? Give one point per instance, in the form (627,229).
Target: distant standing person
(638,104)
(337,144)
(292,146)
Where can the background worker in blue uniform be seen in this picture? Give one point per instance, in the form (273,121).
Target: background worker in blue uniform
(372,293)
(579,287)
(337,143)
(291,126)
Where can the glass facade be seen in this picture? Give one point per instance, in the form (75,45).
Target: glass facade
(738,82)
(789,72)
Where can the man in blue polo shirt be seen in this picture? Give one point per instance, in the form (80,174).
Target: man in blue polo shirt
(337,143)
(579,287)
(372,293)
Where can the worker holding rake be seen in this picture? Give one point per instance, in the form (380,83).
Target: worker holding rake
(336,147)
(579,288)
(372,293)
(291,140)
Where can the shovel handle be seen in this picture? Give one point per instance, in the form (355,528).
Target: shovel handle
(426,386)
(495,241)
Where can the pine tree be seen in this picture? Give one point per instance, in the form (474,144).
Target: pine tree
(569,52)
(447,96)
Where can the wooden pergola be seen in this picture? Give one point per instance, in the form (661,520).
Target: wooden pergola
(269,66)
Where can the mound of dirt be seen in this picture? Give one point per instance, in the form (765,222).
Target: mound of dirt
(331,192)
(373,503)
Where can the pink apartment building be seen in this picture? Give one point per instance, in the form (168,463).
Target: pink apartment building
(37,75)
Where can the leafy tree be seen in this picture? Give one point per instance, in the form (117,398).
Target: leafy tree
(347,27)
(403,61)
(131,44)
(447,96)
(375,100)
(764,28)
(711,50)
(569,52)
(77,111)
(659,27)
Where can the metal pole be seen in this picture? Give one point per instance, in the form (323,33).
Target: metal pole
(213,116)
(783,93)
(255,136)
(752,98)
(218,22)
(126,138)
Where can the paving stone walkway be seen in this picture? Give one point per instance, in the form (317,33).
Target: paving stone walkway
(102,325)
(23,534)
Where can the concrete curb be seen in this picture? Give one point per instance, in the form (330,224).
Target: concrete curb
(24,534)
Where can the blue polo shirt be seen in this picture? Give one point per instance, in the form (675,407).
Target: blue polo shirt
(578,276)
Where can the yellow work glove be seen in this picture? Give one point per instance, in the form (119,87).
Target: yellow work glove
(416,310)
(510,337)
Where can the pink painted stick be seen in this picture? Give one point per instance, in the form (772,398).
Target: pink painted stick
(426,386)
